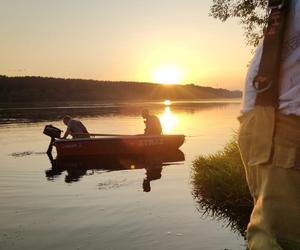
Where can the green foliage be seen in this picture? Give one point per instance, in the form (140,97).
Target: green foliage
(252,14)
(220,187)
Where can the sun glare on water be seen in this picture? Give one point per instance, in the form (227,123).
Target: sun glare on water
(168,75)
(167,102)
(168,120)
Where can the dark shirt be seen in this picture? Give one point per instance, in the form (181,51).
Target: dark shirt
(153,126)
(77,129)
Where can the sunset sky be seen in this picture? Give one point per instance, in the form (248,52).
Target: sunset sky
(170,41)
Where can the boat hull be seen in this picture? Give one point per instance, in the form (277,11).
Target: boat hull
(118,145)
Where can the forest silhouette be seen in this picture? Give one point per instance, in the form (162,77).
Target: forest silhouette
(29,89)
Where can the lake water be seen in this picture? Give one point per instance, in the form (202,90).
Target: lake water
(101,209)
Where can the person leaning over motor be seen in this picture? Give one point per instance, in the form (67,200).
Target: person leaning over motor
(75,128)
(269,141)
(152,123)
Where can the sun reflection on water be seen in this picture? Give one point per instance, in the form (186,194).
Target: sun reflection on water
(168,120)
(167,102)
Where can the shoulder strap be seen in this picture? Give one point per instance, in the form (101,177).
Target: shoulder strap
(266,81)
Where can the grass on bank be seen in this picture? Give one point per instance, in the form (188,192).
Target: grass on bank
(220,187)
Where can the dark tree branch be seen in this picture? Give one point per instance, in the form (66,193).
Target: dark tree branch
(252,14)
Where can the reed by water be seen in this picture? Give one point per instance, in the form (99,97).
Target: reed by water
(220,187)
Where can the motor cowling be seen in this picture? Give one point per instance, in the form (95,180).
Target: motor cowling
(52,131)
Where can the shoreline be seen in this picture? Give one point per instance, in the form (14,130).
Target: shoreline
(111,103)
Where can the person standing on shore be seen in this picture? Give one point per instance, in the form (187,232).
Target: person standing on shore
(75,128)
(269,136)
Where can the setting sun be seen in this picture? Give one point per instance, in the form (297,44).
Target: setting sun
(168,75)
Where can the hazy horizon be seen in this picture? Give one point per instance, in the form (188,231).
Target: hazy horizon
(117,81)
(134,40)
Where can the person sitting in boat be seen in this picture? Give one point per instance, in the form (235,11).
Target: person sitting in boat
(153,126)
(75,128)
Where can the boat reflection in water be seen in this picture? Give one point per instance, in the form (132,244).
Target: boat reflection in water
(77,167)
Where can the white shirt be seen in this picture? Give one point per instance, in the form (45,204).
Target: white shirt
(289,81)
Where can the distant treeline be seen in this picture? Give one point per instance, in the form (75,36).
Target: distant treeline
(30,89)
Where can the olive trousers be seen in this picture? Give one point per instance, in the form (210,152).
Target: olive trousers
(270,148)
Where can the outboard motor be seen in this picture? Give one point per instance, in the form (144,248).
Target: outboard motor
(52,132)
